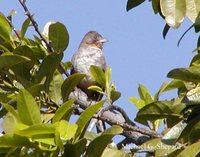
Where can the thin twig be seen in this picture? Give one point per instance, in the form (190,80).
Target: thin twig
(35,25)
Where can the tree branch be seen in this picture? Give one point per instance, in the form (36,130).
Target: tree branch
(35,25)
(114,115)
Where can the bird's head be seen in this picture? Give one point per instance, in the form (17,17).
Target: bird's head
(93,39)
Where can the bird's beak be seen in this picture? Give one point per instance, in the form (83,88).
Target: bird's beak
(103,40)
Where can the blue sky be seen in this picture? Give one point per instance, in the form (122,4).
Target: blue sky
(136,51)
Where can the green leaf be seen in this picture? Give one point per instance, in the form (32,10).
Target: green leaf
(11,110)
(133,3)
(194,95)
(70,83)
(66,130)
(59,36)
(108,76)
(24,27)
(11,140)
(47,69)
(137,102)
(160,110)
(37,129)
(115,95)
(98,74)
(7,121)
(174,11)
(102,141)
(159,147)
(145,94)
(191,150)
(191,74)
(167,86)
(62,110)
(114,152)
(5,28)
(96,88)
(156,6)
(75,149)
(55,87)
(174,133)
(192,9)
(27,108)
(22,71)
(48,139)
(11,60)
(86,116)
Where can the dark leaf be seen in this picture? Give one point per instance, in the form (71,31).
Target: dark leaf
(115,95)
(133,3)
(24,27)
(47,69)
(59,36)
(156,6)
(191,74)
(70,83)
(165,30)
(76,149)
(11,60)
(159,110)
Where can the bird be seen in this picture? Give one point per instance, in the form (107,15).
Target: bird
(89,53)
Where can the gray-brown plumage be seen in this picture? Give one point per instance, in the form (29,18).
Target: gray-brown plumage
(89,53)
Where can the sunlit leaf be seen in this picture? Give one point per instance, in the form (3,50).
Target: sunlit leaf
(98,74)
(191,150)
(96,88)
(62,110)
(145,94)
(55,87)
(66,130)
(173,134)
(27,108)
(37,129)
(102,141)
(86,116)
(137,102)
(192,9)
(5,28)
(174,11)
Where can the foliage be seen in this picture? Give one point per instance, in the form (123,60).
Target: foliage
(36,122)
(36,109)
(181,114)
